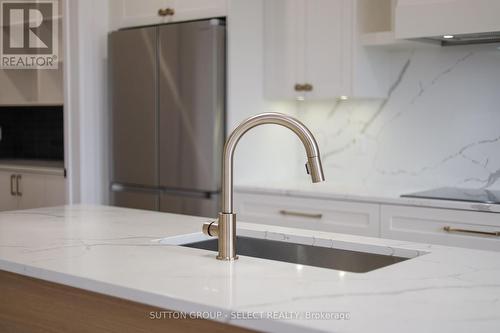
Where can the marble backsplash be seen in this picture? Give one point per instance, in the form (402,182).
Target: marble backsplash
(439,126)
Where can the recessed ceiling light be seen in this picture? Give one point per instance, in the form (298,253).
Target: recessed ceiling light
(343,98)
(448,36)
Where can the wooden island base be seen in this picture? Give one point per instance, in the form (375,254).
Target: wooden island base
(29,305)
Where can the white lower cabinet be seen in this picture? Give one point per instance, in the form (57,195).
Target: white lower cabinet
(8,198)
(308,213)
(451,227)
(441,226)
(30,190)
(55,190)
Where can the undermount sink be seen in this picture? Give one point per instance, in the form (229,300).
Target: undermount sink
(325,257)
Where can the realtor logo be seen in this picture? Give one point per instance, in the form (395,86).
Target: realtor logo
(29,34)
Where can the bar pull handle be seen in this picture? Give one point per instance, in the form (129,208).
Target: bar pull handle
(12,179)
(166,12)
(468,231)
(308,87)
(298,87)
(303,87)
(301,214)
(18,185)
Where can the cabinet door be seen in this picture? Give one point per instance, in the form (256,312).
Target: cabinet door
(8,200)
(131,13)
(11,80)
(308,42)
(55,191)
(31,190)
(186,10)
(308,213)
(50,82)
(439,226)
(328,48)
(50,86)
(283,61)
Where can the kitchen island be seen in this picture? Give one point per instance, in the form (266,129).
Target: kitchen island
(117,252)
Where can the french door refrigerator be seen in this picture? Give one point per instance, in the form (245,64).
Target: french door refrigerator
(168,116)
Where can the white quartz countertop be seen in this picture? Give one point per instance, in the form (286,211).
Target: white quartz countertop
(332,191)
(115,251)
(33,166)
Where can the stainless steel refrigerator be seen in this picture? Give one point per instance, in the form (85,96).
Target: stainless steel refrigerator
(168,116)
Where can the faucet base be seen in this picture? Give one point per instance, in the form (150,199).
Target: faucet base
(226,258)
(226,231)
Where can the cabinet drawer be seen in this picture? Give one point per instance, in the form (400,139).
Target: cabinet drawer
(441,226)
(307,213)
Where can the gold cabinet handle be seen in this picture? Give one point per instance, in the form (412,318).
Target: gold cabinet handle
(300,214)
(303,87)
(166,12)
(18,185)
(476,232)
(298,87)
(308,87)
(12,180)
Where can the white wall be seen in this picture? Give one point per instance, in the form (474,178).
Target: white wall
(86,24)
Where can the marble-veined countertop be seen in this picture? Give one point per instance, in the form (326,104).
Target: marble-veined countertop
(115,251)
(389,196)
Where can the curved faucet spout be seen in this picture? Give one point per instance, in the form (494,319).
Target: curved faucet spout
(313,165)
(225,227)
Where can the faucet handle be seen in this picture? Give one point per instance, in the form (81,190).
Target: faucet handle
(307,168)
(211,228)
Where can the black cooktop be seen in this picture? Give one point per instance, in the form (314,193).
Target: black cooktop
(459,194)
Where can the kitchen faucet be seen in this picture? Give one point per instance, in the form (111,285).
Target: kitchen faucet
(225,227)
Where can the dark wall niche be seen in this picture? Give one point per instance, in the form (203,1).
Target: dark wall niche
(32,132)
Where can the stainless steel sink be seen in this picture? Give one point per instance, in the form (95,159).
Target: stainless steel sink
(343,260)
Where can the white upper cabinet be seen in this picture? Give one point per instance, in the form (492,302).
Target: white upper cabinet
(328,47)
(131,13)
(34,86)
(136,13)
(196,9)
(307,48)
(431,18)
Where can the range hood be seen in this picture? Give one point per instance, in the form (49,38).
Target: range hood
(448,22)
